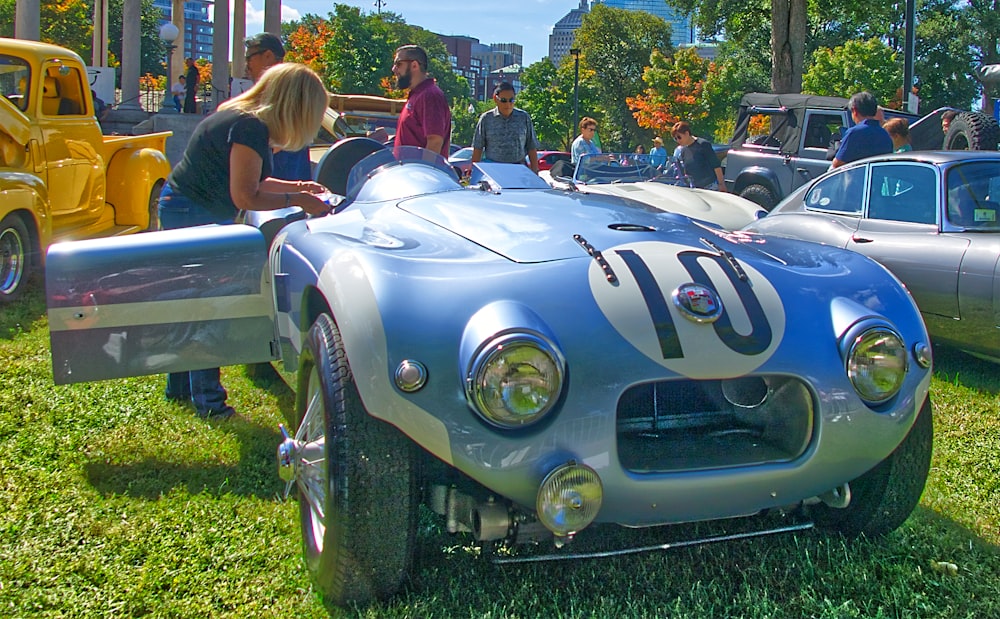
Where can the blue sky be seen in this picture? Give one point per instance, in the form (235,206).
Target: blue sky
(528,22)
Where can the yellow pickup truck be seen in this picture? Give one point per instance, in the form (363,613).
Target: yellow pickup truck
(60,178)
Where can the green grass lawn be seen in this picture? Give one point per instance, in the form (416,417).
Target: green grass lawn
(116,503)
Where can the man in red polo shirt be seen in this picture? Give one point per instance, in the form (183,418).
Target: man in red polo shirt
(426,118)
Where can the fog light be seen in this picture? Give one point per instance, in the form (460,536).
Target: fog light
(569,498)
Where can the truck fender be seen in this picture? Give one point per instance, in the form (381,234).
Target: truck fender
(757,175)
(133,174)
(26,197)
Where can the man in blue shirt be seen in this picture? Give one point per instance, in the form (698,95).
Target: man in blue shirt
(867,137)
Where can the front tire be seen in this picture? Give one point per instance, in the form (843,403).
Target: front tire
(760,195)
(883,498)
(15,258)
(357,489)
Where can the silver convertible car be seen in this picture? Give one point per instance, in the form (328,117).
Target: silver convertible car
(533,365)
(931,218)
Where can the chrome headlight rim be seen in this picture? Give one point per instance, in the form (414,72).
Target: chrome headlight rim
(861,339)
(492,350)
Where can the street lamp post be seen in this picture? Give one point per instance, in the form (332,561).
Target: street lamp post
(168,32)
(576,88)
(379,4)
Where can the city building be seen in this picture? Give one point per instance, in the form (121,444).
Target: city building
(198,30)
(483,65)
(465,64)
(564,32)
(681,29)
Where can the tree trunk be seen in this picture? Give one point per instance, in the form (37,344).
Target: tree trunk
(788,42)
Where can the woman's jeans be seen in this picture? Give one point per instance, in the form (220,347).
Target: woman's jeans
(199,386)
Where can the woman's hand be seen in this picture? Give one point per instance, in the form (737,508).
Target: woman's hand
(309,202)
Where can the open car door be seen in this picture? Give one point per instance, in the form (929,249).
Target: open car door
(159,302)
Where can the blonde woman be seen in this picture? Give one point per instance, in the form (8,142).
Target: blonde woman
(227,168)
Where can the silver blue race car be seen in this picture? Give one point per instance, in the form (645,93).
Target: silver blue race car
(528,363)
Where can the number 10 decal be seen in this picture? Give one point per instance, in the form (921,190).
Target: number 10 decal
(718,325)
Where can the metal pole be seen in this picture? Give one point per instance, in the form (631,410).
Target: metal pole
(911,9)
(576,89)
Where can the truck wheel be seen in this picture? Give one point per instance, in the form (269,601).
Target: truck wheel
(972,131)
(883,498)
(760,195)
(15,263)
(355,481)
(154,207)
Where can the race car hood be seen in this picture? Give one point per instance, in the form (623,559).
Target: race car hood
(544,225)
(727,210)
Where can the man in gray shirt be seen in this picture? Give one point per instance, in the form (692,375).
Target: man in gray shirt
(505,134)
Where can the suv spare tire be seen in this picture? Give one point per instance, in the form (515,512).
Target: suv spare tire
(972,131)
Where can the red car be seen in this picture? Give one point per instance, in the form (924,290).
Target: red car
(546,158)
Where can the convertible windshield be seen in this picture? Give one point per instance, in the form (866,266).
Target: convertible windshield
(630,168)
(427,172)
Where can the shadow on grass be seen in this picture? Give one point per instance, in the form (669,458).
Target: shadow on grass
(785,575)
(254,475)
(265,377)
(959,368)
(18,316)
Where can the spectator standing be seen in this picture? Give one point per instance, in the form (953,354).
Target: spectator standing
(100,107)
(263,51)
(946,118)
(177,91)
(505,134)
(899,131)
(226,168)
(699,158)
(867,137)
(584,143)
(190,86)
(426,118)
(658,154)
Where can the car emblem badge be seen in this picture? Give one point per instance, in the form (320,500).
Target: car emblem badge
(698,303)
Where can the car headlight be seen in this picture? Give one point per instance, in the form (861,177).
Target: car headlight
(515,380)
(877,364)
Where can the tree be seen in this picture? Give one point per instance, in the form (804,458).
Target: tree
(675,92)
(305,42)
(68,23)
(153,50)
(358,51)
(616,46)
(788,44)
(547,95)
(853,67)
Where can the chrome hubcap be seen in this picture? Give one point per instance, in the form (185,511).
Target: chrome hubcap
(302,459)
(11,260)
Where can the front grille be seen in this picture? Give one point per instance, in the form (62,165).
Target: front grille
(685,425)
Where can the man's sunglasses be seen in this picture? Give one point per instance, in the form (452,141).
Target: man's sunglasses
(256,53)
(505,100)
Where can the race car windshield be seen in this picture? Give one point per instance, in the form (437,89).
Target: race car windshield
(426,172)
(608,168)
